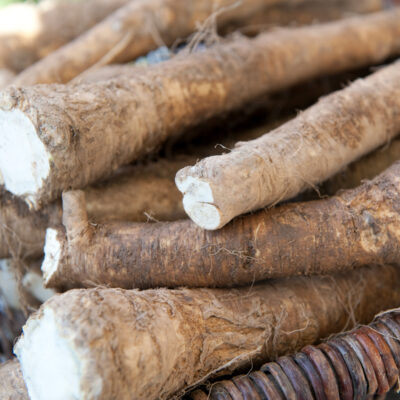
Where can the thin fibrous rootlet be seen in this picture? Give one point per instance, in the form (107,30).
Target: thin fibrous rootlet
(74,135)
(12,385)
(29,32)
(119,344)
(355,228)
(142,25)
(355,365)
(315,145)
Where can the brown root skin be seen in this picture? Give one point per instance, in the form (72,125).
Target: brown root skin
(305,151)
(358,227)
(161,341)
(103,126)
(38,30)
(12,385)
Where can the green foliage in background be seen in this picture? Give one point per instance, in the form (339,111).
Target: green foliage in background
(4,3)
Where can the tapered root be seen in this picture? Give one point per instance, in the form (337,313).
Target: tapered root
(299,154)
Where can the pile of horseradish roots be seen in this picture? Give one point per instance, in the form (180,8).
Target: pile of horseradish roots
(200,199)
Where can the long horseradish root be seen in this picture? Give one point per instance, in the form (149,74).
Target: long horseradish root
(299,154)
(29,32)
(358,227)
(79,134)
(136,29)
(12,385)
(353,365)
(117,344)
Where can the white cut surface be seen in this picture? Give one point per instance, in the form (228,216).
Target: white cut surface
(24,160)
(52,253)
(33,283)
(197,202)
(50,366)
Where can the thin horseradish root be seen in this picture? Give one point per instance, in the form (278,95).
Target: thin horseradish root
(78,134)
(358,227)
(118,344)
(305,151)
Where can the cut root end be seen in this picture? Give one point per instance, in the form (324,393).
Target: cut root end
(50,366)
(197,202)
(24,160)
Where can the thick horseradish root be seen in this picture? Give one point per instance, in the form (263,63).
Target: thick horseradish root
(118,344)
(305,151)
(355,228)
(77,134)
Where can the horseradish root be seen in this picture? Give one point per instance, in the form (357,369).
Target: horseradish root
(12,385)
(299,154)
(29,32)
(134,30)
(354,365)
(358,227)
(79,134)
(117,344)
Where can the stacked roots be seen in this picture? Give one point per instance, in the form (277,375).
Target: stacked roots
(167,215)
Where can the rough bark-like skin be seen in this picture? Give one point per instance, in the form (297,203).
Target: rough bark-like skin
(305,151)
(12,385)
(29,32)
(151,344)
(6,76)
(367,167)
(92,129)
(358,227)
(135,29)
(136,193)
